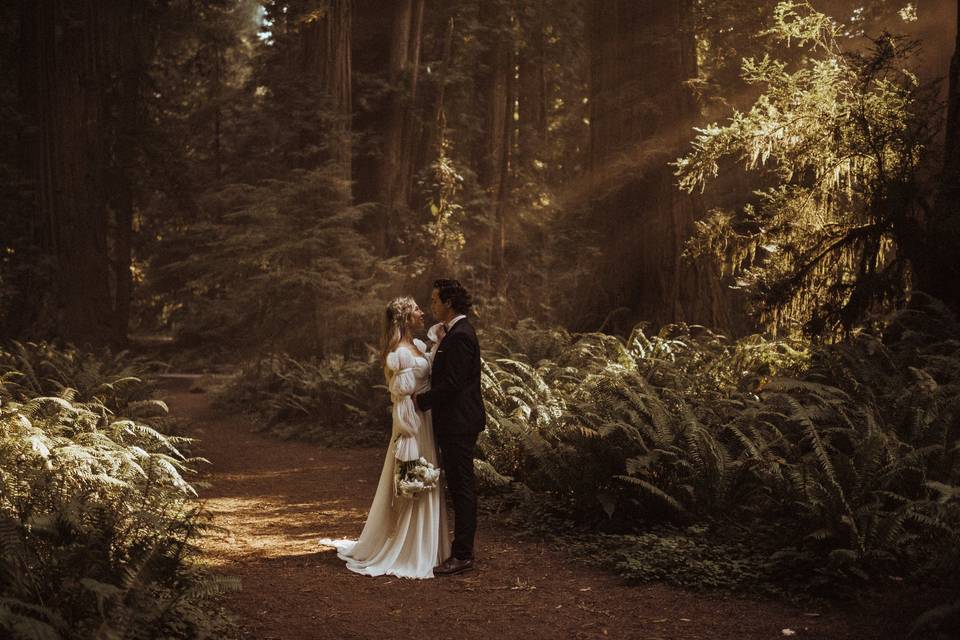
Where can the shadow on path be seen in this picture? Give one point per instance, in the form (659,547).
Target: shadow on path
(276,498)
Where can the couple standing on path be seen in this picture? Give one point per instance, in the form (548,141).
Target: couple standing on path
(437,404)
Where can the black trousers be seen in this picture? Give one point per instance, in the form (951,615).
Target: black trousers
(456,457)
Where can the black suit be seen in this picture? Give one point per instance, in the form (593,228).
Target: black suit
(458,418)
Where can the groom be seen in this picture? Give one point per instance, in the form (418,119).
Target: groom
(458,414)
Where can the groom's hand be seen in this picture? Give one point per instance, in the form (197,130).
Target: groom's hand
(422,403)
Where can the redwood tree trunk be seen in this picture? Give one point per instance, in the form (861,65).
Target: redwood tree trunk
(336,79)
(951,160)
(496,91)
(327,56)
(641,117)
(532,90)
(395,170)
(503,193)
(83,94)
(135,48)
(938,271)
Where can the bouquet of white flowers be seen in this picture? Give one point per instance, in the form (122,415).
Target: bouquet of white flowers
(415,476)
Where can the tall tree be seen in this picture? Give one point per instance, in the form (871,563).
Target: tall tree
(326,56)
(641,115)
(81,64)
(496,88)
(942,275)
(395,169)
(531,71)
(837,226)
(951,163)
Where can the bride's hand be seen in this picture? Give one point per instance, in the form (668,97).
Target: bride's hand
(437,332)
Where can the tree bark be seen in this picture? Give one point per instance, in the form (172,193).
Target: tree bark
(327,56)
(532,90)
(496,91)
(499,237)
(218,111)
(641,117)
(395,168)
(411,126)
(951,158)
(337,80)
(136,47)
(938,273)
(83,100)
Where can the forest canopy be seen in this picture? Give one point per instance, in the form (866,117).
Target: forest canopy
(262,175)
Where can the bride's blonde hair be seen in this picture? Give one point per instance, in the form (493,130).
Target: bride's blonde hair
(397,317)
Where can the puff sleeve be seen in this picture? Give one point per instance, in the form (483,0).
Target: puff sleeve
(406,421)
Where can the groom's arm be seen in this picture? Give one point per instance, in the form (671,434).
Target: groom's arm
(457,360)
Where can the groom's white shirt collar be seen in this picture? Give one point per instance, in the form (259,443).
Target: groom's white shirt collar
(454,321)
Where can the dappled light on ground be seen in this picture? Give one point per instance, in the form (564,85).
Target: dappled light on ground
(273,500)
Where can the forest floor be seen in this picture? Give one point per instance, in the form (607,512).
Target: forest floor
(275,499)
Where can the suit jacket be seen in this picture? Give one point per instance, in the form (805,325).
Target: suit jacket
(454,395)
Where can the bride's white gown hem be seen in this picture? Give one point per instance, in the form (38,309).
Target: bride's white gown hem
(402,537)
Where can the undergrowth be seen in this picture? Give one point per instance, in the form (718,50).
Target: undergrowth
(699,459)
(98,522)
(332,401)
(840,460)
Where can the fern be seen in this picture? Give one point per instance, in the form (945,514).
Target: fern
(838,444)
(89,494)
(331,400)
(653,491)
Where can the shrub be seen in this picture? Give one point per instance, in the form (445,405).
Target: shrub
(849,450)
(97,526)
(334,400)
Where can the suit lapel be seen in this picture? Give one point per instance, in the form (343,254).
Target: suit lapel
(454,328)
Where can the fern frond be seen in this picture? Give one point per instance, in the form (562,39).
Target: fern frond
(653,491)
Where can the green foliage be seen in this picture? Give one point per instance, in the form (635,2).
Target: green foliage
(453,215)
(98,531)
(253,242)
(833,464)
(837,138)
(333,400)
(277,265)
(848,453)
(692,558)
(624,426)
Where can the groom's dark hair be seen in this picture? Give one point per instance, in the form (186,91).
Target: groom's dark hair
(453,291)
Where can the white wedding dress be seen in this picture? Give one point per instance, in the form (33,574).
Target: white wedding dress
(404,537)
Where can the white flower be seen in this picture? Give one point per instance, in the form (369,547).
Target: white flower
(908,13)
(415,477)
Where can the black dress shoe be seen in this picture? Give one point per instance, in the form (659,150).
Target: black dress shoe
(452,566)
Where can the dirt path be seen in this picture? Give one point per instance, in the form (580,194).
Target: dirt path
(277,498)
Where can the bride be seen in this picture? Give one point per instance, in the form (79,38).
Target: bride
(403,537)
